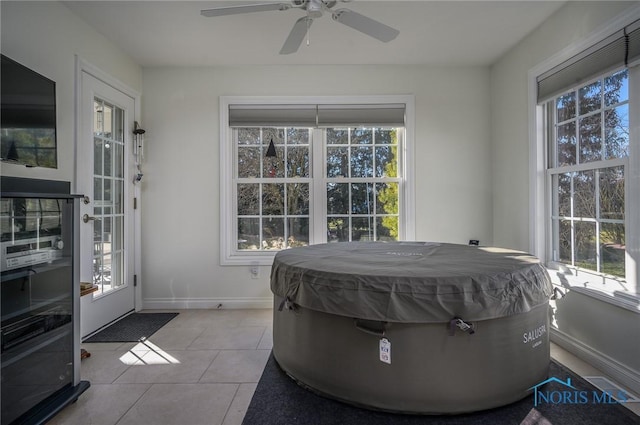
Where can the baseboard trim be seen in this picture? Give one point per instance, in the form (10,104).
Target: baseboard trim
(614,369)
(206,303)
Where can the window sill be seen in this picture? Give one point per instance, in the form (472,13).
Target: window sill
(609,293)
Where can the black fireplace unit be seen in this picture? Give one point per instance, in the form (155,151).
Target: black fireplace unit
(39,325)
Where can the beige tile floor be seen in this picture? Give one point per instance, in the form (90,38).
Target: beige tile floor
(200,369)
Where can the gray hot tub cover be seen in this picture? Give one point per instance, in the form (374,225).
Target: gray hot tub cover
(410,282)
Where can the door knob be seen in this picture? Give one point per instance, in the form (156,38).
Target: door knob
(87,217)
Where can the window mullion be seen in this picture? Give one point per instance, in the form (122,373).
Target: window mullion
(318,189)
(597,207)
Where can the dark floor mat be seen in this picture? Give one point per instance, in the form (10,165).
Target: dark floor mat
(279,400)
(133,328)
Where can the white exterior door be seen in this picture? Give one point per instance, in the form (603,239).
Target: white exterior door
(104,176)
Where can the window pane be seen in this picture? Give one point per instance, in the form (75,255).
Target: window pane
(273,233)
(337,162)
(361,136)
(118,124)
(248,233)
(612,193)
(338,229)
(564,241)
(385,136)
(97,189)
(337,198)
(248,199)
(616,88)
(591,138)
(298,231)
(566,144)
(275,134)
(362,229)
(563,193)
(387,228)
(248,162)
(108,158)
(97,156)
(118,197)
(589,98)
(297,136)
(248,136)
(298,161)
(616,123)
(118,160)
(106,194)
(273,166)
(566,107)
(298,199)
(362,161)
(273,199)
(386,163)
(106,234)
(98,117)
(612,246)
(107,120)
(117,240)
(97,237)
(362,198)
(387,198)
(585,245)
(337,136)
(584,194)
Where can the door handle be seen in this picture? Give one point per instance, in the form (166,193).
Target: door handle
(87,217)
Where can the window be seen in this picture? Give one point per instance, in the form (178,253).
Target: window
(306,174)
(362,184)
(588,161)
(272,192)
(586,166)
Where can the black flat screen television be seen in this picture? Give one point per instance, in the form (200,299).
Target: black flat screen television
(28,116)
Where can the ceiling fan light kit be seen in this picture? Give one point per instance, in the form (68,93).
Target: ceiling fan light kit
(314,9)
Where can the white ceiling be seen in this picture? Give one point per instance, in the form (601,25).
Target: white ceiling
(173,33)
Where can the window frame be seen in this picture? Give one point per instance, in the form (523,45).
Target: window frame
(541,194)
(229,254)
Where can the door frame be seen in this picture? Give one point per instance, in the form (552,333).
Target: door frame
(83,66)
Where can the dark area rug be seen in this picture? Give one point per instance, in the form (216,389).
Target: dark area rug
(133,328)
(278,400)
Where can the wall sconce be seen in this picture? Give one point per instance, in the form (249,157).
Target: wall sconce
(138,149)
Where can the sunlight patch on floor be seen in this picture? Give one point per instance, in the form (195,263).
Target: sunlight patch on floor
(147,353)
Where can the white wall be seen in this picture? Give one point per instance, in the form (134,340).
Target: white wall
(45,36)
(180,190)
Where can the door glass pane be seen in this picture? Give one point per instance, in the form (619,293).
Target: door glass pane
(108,161)
(97,156)
(118,160)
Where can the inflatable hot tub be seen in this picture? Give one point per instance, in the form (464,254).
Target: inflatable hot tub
(412,327)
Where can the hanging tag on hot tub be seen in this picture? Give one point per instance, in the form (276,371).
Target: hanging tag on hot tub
(385,351)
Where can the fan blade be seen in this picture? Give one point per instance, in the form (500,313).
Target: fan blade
(249,8)
(365,25)
(296,36)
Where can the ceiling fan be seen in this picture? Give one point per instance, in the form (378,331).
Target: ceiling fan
(315,9)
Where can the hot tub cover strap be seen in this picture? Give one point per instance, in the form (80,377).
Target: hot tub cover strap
(415,282)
